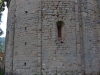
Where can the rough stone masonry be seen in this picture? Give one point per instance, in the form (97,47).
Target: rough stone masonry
(53,37)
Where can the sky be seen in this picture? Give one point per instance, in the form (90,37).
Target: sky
(3,24)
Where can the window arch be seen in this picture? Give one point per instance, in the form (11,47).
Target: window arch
(59,29)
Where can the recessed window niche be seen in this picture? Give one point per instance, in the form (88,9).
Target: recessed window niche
(59,29)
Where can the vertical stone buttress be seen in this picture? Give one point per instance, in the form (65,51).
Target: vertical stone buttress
(97,16)
(81,36)
(90,37)
(10,37)
(40,39)
(97,22)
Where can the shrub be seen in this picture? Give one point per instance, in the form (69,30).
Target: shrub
(2,72)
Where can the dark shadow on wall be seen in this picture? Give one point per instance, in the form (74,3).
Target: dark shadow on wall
(10,73)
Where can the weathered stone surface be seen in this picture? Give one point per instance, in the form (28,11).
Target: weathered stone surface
(32,43)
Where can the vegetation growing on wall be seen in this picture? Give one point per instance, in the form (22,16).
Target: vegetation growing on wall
(2,72)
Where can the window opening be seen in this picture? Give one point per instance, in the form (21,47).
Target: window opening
(59,29)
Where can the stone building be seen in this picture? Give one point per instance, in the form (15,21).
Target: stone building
(53,37)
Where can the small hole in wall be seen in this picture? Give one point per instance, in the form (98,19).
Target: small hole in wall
(7,32)
(25,28)
(97,40)
(62,42)
(26,12)
(53,14)
(24,64)
(25,43)
(57,15)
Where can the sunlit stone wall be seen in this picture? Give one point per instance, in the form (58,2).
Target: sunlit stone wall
(33,45)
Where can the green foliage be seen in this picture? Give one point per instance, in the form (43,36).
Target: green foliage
(2,47)
(1,32)
(2,5)
(2,72)
(2,44)
(0,1)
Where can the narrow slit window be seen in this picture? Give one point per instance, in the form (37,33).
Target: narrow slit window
(25,43)
(25,28)
(59,29)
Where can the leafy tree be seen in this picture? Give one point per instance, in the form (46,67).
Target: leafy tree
(2,44)
(2,8)
(1,32)
(2,5)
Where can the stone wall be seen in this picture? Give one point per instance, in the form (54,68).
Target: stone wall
(32,43)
